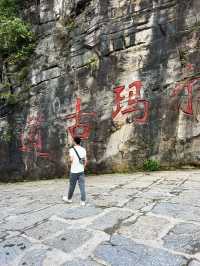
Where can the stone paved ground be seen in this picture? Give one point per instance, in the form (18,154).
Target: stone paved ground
(138,219)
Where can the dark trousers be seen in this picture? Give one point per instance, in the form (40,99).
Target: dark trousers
(74,177)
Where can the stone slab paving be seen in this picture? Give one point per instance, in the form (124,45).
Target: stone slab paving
(184,237)
(88,262)
(121,251)
(194,263)
(142,219)
(146,227)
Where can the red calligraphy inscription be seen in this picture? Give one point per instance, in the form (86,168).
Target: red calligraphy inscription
(134,102)
(79,129)
(188,88)
(190,67)
(32,139)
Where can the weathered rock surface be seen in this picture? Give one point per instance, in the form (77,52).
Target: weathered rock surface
(122,251)
(138,229)
(122,74)
(194,263)
(152,233)
(184,238)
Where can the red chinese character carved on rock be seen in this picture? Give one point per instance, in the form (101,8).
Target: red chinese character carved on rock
(188,87)
(134,101)
(118,100)
(80,129)
(32,139)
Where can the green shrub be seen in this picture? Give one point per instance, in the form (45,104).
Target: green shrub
(151,165)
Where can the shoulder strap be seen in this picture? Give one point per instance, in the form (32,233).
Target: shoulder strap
(76,153)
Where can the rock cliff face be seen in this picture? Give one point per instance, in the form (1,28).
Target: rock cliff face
(123,74)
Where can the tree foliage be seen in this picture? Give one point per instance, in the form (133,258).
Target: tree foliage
(16,38)
(8,8)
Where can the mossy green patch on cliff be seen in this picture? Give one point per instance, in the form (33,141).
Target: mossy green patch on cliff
(7,136)
(10,99)
(70,24)
(13,99)
(196,26)
(93,63)
(23,73)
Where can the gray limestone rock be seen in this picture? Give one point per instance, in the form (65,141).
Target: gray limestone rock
(122,251)
(79,212)
(69,240)
(179,211)
(27,220)
(114,197)
(46,230)
(145,227)
(33,257)
(11,248)
(110,221)
(85,49)
(184,238)
(194,263)
(88,262)
(138,203)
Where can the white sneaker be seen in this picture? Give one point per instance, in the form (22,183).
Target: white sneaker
(65,199)
(82,203)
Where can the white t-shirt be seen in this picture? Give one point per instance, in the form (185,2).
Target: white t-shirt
(76,166)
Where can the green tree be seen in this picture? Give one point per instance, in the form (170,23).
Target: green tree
(15,35)
(16,38)
(8,8)
(17,41)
